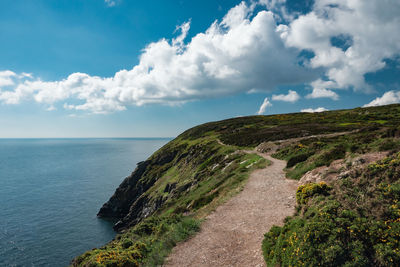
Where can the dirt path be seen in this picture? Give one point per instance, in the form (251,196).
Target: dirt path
(232,234)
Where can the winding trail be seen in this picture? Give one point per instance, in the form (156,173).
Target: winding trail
(232,234)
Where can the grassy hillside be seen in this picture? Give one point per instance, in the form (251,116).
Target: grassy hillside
(166,197)
(354,221)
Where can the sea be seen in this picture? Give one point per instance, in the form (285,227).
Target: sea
(51,191)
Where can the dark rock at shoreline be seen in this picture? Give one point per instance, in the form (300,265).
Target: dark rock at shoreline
(129,204)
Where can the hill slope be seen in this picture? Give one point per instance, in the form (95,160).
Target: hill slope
(231,236)
(165,198)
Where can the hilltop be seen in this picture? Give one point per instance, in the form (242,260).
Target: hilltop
(347,209)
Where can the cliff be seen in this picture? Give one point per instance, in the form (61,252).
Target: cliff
(163,201)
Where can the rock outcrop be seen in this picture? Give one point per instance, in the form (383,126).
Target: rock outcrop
(129,204)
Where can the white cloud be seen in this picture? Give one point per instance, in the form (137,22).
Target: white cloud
(237,15)
(371,27)
(321,89)
(184,28)
(279,9)
(390,97)
(110,3)
(245,52)
(264,106)
(51,108)
(6,78)
(310,110)
(292,97)
(240,54)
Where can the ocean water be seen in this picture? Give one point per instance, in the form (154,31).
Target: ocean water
(51,190)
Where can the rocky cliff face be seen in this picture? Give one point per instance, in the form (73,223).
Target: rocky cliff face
(197,154)
(193,174)
(119,204)
(168,175)
(129,204)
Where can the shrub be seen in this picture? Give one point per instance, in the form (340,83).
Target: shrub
(139,247)
(297,159)
(354,148)
(127,243)
(307,191)
(338,152)
(388,144)
(356,222)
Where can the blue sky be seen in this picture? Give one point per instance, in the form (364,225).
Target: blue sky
(96,68)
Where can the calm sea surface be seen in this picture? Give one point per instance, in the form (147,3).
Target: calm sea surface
(51,190)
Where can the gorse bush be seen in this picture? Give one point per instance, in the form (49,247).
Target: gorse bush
(162,202)
(356,222)
(183,187)
(253,130)
(322,151)
(307,191)
(145,244)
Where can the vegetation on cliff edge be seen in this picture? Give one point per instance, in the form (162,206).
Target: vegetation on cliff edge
(165,198)
(201,175)
(353,222)
(355,219)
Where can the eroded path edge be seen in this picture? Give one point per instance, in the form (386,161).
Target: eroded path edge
(232,234)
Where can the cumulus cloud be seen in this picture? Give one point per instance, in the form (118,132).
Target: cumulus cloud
(292,97)
(241,53)
(244,52)
(310,110)
(6,78)
(264,106)
(349,38)
(279,9)
(321,89)
(390,97)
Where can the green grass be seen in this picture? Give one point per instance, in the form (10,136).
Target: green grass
(310,153)
(251,131)
(174,189)
(146,244)
(202,175)
(353,222)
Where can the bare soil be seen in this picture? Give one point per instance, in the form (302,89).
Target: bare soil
(232,234)
(340,168)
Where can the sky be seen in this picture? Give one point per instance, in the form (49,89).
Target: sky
(120,68)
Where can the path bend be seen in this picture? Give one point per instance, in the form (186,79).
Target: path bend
(233,233)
